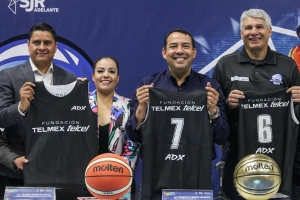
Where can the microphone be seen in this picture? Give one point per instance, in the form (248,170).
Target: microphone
(221,195)
(220,165)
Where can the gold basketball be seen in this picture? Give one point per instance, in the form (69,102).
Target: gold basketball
(257,176)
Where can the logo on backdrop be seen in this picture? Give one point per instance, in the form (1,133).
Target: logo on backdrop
(68,56)
(30,6)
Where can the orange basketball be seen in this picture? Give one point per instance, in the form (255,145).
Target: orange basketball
(108,176)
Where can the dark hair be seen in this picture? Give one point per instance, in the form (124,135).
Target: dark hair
(42,27)
(298,31)
(106,57)
(180,31)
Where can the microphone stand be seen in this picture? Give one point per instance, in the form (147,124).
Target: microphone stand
(219,166)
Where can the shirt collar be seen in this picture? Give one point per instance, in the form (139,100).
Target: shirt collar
(35,69)
(172,78)
(270,57)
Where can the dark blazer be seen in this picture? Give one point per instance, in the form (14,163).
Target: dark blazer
(12,141)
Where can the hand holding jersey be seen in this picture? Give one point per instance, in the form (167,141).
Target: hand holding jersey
(295,90)
(236,95)
(26,96)
(142,95)
(20,161)
(212,99)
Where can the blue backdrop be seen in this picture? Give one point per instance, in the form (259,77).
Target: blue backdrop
(133,31)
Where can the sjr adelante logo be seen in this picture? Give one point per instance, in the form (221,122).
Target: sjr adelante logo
(30,6)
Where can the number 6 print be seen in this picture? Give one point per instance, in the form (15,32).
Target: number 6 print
(264,128)
(178,131)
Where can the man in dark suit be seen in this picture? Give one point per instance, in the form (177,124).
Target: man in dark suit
(16,93)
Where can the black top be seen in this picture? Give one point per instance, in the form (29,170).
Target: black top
(103,138)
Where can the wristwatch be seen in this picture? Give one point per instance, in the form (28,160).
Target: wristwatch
(215,115)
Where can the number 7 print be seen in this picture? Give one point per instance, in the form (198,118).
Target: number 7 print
(178,131)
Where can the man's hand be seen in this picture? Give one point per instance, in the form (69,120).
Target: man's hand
(295,90)
(142,95)
(234,97)
(26,96)
(212,99)
(20,162)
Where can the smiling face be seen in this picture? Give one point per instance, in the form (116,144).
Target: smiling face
(106,76)
(255,35)
(179,53)
(42,47)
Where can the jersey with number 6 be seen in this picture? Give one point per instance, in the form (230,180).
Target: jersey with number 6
(176,142)
(268,125)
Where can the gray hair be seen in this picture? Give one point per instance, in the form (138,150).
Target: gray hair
(255,13)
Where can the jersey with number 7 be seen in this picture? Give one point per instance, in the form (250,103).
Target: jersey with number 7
(177,142)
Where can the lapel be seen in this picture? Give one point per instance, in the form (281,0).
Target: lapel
(117,106)
(27,72)
(116,102)
(56,75)
(29,76)
(118,123)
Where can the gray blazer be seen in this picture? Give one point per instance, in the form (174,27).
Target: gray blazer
(12,140)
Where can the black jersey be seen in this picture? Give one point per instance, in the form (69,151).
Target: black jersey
(61,138)
(268,125)
(176,142)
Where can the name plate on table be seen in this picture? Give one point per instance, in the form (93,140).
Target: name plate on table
(32,193)
(168,194)
(126,196)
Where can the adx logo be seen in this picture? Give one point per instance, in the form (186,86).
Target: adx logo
(30,6)
(78,108)
(174,157)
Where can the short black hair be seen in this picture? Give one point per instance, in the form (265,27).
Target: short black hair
(42,27)
(298,31)
(106,57)
(180,31)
